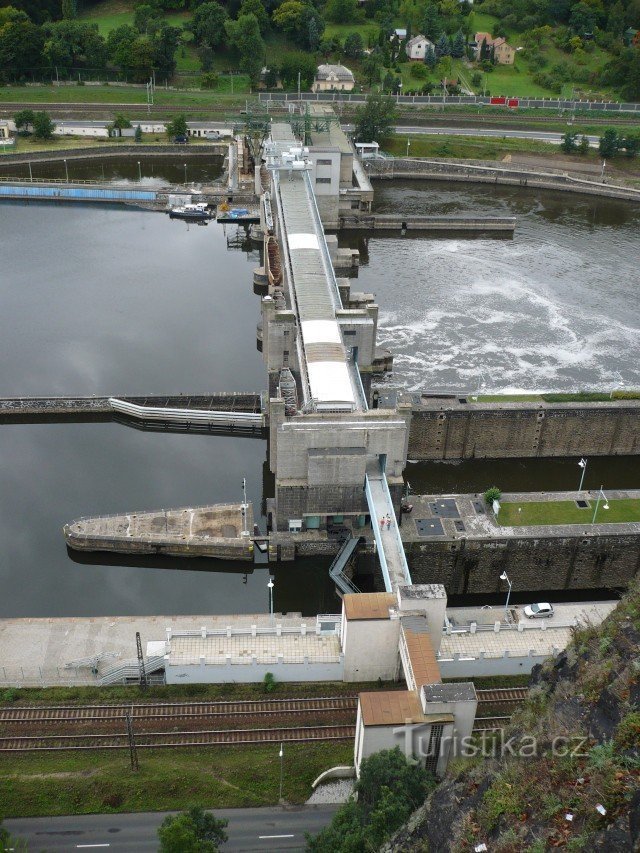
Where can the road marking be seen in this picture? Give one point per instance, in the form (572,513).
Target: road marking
(93,845)
(262,837)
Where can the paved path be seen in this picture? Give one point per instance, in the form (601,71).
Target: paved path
(387,538)
(248,830)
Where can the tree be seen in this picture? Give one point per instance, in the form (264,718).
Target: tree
(341,11)
(372,65)
(146,18)
(74,44)
(178,126)
(584,145)
(430,58)
(120,123)
(313,30)
(69,9)
(375,119)
(206,56)
(609,143)
(293,18)
(21,44)
(443,46)
(24,119)
(492,494)
(165,44)
(631,144)
(353,46)
(207,25)
(138,134)
(244,37)
(294,63)
(256,7)
(459,45)
(431,23)
(569,142)
(43,127)
(193,831)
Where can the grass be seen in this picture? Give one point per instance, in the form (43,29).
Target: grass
(367,29)
(106,94)
(464,147)
(218,777)
(179,692)
(504,398)
(115,13)
(65,143)
(535,513)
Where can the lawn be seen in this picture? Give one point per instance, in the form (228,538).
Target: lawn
(464,147)
(367,29)
(114,13)
(129,94)
(217,777)
(536,513)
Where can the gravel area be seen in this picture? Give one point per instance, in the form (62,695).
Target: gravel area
(338,791)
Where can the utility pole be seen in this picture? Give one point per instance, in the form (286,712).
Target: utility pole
(299,96)
(144,681)
(132,743)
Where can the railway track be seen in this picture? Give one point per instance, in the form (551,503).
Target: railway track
(178,710)
(502,696)
(489,724)
(160,740)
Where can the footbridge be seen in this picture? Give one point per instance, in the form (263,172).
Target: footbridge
(329,451)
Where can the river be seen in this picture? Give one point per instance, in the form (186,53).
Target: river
(102,300)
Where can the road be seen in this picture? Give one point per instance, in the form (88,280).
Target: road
(495,133)
(278,828)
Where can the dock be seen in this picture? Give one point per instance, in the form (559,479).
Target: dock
(381,222)
(235,216)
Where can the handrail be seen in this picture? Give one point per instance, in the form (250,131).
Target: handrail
(324,251)
(209,416)
(398,538)
(377,535)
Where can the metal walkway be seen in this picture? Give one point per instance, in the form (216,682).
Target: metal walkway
(393,561)
(336,572)
(227,420)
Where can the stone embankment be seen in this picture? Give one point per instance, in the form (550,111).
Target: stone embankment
(492,173)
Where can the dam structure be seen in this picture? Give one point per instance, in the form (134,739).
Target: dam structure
(335,460)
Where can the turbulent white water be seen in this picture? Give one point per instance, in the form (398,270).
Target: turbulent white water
(556,309)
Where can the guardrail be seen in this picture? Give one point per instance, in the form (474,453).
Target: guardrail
(194,416)
(377,535)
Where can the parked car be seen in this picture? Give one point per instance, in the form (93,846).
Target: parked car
(540,610)
(181,139)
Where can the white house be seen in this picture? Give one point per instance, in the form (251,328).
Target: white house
(417,47)
(332,78)
(399,34)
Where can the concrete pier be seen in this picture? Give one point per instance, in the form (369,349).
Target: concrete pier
(220,530)
(504,225)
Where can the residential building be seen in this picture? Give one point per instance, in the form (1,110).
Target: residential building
(333,78)
(503,53)
(417,47)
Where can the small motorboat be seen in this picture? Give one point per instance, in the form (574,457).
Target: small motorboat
(199,211)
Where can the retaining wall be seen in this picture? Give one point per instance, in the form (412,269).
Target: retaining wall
(453,429)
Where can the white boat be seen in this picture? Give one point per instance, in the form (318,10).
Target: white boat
(200,210)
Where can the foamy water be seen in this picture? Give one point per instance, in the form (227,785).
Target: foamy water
(557,308)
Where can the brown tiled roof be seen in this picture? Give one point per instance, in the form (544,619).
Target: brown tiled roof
(394,708)
(369,605)
(423,660)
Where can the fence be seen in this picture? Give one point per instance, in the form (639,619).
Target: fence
(75,193)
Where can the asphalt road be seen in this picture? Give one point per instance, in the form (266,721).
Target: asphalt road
(279,828)
(497,133)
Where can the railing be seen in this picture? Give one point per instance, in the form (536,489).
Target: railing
(324,251)
(396,531)
(377,534)
(195,416)
(128,670)
(344,583)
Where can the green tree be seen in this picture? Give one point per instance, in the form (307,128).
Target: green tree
(431,23)
(372,65)
(244,37)
(458,45)
(21,44)
(24,119)
(430,58)
(206,57)
(569,142)
(492,494)
(178,126)
(193,831)
(293,18)
(631,144)
(341,11)
(375,118)
(69,9)
(146,18)
(313,29)
(291,64)
(138,134)
(207,25)
(256,7)
(353,46)
(443,46)
(584,145)
(43,127)
(120,123)
(165,44)
(609,143)
(74,44)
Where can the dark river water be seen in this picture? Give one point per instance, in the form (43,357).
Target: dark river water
(118,301)
(147,172)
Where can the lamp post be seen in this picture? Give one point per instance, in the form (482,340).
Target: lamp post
(270,585)
(505,577)
(605,505)
(281,755)
(30,172)
(245,506)
(185,173)
(139,171)
(66,170)
(408,145)
(583,464)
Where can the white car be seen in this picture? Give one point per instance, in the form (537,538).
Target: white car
(540,610)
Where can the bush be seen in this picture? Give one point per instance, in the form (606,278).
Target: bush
(209,80)
(269,682)
(419,71)
(491,495)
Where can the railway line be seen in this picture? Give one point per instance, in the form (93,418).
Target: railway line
(503,696)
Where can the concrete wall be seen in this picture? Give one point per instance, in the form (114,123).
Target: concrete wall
(469,667)
(228,673)
(450,429)
(548,562)
(370,648)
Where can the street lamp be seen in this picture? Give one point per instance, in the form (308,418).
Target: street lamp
(505,577)
(270,585)
(66,169)
(281,754)
(583,464)
(185,173)
(408,145)
(605,505)
(245,507)
(139,171)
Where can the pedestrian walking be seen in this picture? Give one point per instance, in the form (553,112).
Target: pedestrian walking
(388,522)
(382,521)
